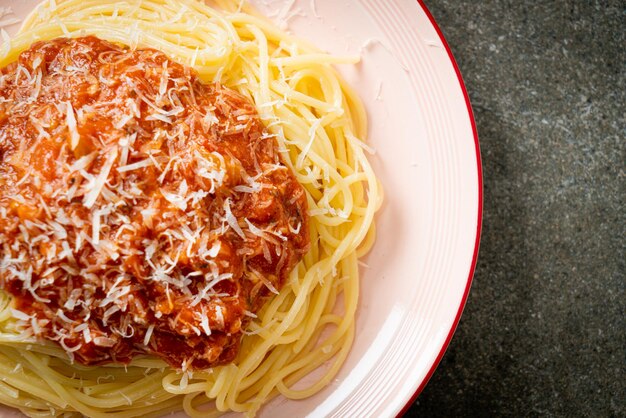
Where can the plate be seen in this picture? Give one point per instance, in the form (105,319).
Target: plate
(417,277)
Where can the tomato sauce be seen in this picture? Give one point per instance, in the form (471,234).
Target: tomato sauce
(141,210)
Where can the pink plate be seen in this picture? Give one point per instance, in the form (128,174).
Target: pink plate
(427,157)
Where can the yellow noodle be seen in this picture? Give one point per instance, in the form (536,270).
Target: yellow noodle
(319,124)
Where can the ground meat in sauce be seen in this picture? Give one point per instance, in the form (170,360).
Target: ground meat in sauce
(141,210)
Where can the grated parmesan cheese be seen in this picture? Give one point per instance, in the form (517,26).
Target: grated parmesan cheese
(95,188)
(71,125)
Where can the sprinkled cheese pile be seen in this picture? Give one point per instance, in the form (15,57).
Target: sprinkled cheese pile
(141,211)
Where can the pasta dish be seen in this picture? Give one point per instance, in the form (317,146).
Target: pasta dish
(184,196)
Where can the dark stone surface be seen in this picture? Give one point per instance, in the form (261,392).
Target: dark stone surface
(543,333)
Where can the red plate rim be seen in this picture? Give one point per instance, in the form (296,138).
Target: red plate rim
(470,113)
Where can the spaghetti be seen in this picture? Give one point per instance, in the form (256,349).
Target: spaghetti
(316,120)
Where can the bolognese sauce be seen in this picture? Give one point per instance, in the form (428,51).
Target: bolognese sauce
(141,210)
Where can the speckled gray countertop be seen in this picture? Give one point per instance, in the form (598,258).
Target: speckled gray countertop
(544,330)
